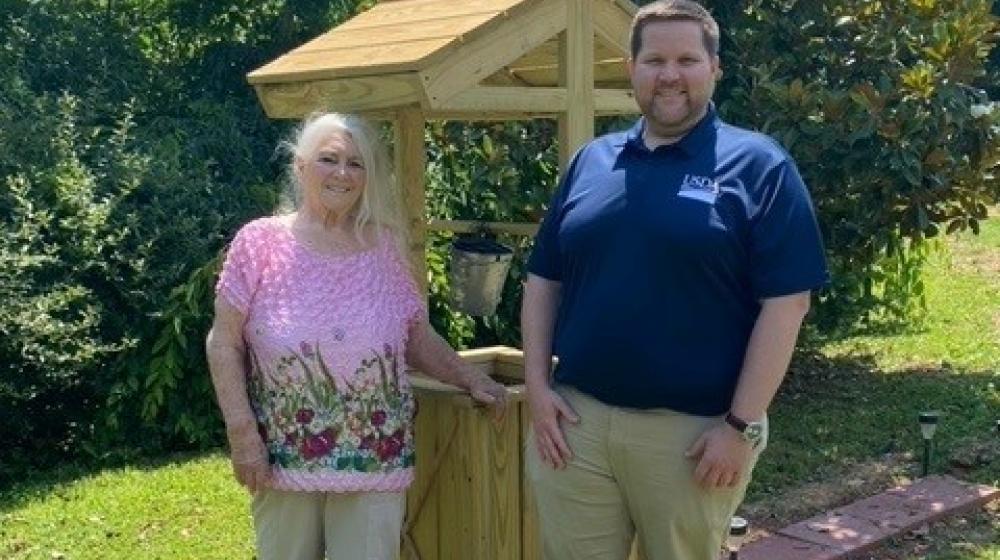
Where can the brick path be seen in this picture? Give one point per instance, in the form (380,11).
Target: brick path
(864,524)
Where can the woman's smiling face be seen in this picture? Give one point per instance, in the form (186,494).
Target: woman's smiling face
(333,177)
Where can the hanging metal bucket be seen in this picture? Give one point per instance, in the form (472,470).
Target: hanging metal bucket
(479,267)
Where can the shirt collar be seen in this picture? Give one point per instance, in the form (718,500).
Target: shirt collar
(691,143)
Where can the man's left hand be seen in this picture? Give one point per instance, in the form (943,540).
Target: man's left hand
(722,455)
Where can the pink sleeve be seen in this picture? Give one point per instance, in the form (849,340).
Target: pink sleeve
(242,268)
(404,294)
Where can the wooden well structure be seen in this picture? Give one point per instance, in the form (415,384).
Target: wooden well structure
(411,61)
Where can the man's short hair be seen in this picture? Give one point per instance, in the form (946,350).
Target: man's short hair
(675,10)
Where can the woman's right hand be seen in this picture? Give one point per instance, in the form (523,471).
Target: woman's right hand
(547,409)
(249,456)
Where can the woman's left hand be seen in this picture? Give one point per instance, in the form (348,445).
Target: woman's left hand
(485,390)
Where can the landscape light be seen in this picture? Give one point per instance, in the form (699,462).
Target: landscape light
(738,529)
(928,425)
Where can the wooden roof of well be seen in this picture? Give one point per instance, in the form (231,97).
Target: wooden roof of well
(450,57)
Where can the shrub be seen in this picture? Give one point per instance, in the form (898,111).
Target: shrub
(878,102)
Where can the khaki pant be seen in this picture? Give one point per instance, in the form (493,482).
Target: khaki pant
(629,475)
(344,526)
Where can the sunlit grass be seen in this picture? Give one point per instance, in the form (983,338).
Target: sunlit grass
(190,508)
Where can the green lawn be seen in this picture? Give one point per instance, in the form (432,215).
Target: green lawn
(854,400)
(183,508)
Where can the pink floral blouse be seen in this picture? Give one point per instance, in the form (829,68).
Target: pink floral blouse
(325,337)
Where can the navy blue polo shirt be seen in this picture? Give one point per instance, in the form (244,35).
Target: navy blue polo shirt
(663,257)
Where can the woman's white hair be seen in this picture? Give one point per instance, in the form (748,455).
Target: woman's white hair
(379,204)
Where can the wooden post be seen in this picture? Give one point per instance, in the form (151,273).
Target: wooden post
(410,163)
(576,74)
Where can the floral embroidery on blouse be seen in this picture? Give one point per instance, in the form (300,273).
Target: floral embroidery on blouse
(320,422)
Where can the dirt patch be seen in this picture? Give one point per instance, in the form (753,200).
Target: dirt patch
(856,481)
(985,263)
(971,255)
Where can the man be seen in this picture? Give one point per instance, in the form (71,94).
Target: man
(670,276)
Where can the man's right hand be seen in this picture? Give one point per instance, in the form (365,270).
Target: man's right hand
(249,457)
(547,408)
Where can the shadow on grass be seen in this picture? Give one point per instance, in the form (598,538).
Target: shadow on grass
(24,480)
(829,413)
(913,324)
(834,412)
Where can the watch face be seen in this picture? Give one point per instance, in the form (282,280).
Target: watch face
(754,432)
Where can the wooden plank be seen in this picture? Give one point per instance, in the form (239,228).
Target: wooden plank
(295,100)
(531,544)
(364,37)
(486,98)
(488,116)
(417,11)
(460,399)
(508,355)
(607,73)
(521,99)
(348,62)
(500,449)
(509,362)
(605,52)
(576,72)
(485,354)
(410,163)
(504,77)
(612,21)
(491,47)
(424,528)
(510,371)
(547,54)
(458,506)
(628,6)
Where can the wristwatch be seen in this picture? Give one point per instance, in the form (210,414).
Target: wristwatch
(753,432)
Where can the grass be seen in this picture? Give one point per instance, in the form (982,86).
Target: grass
(185,507)
(845,420)
(843,424)
(857,398)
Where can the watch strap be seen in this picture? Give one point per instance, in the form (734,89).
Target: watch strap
(736,422)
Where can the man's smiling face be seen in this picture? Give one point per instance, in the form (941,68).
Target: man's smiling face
(673,76)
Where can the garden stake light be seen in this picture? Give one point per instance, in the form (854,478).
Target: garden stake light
(928,424)
(738,528)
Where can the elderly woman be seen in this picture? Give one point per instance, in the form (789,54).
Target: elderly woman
(315,316)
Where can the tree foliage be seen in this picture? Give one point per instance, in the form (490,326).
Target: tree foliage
(131,150)
(882,106)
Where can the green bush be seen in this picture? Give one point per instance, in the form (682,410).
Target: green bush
(881,106)
(131,150)
(64,241)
